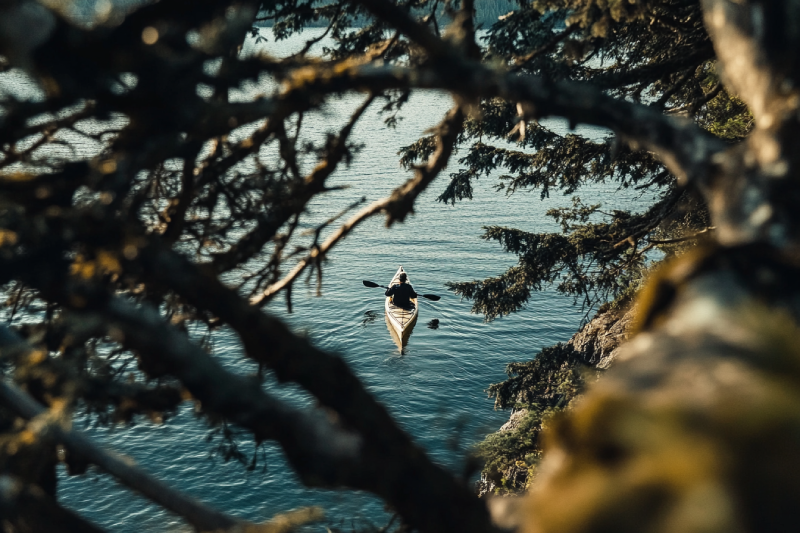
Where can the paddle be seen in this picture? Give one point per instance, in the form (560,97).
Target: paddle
(373,285)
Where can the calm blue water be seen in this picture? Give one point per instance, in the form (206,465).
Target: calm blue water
(435,390)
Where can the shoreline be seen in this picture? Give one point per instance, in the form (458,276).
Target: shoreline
(538,389)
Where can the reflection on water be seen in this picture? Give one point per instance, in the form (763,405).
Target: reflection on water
(433,324)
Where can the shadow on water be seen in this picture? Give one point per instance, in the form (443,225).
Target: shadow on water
(433,324)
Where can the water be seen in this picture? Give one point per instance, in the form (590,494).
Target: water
(435,390)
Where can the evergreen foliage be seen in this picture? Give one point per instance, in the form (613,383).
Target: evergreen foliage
(655,52)
(539,388)
(510,456)
(487,12)
(551,379)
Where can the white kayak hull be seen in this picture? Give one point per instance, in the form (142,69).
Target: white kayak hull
(399,320)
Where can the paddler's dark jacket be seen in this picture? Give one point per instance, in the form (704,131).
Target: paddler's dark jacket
(401,294)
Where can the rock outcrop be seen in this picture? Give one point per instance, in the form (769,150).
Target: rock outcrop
(599,340)
(538,388)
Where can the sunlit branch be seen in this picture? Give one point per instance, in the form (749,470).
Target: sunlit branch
(401,201)
(321,250)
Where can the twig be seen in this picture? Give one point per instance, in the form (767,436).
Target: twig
(682,239)
(520,62)
(710,95)
(319,251)
(662,101)
(311,185)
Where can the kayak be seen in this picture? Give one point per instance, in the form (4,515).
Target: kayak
(401,321)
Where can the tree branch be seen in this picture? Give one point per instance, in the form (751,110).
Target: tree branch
(124,469)
(320,251)
(397,205)
(654,72)
(37,511)
(682,239)
(295,202)
(521,61)
(684,148)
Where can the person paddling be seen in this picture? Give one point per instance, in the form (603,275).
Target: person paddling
(402,293)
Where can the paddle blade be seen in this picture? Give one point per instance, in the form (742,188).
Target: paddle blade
(432,297)
(370,284)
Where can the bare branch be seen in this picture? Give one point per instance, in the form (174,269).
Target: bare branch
(320,251)
(295,202)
